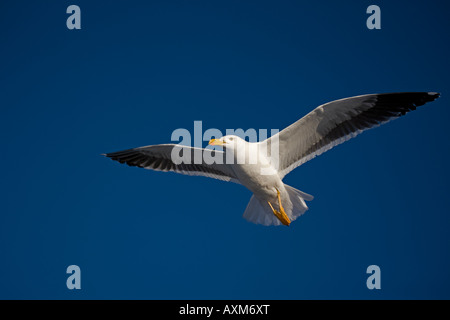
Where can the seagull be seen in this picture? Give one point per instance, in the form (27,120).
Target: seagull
(273,202)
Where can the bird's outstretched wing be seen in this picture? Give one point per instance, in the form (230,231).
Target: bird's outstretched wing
(196,160)
(338,121)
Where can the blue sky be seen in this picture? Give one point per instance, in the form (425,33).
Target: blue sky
(138,70)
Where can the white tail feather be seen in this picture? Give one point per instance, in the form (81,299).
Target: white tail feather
(260,213)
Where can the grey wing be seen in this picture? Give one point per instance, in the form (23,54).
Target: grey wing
(178,158)
(338,121)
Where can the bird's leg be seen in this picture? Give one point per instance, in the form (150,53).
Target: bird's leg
(286,219)
(281,214)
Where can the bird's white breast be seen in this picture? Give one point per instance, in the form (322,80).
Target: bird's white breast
(255,170)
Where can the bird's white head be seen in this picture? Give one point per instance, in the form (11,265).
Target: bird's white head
(228,142)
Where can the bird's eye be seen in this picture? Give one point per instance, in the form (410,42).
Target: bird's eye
(231,139)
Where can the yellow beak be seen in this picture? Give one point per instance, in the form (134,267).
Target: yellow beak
(216,142)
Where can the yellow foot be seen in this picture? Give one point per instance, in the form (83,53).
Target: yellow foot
(281,214)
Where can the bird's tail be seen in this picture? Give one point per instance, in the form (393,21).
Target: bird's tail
(293,202)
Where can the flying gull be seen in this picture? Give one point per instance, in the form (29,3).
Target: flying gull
(273,202)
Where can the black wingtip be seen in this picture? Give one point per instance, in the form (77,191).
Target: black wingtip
(108,155)
(434,95)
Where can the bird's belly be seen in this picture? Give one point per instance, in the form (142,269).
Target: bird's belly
(262,183)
